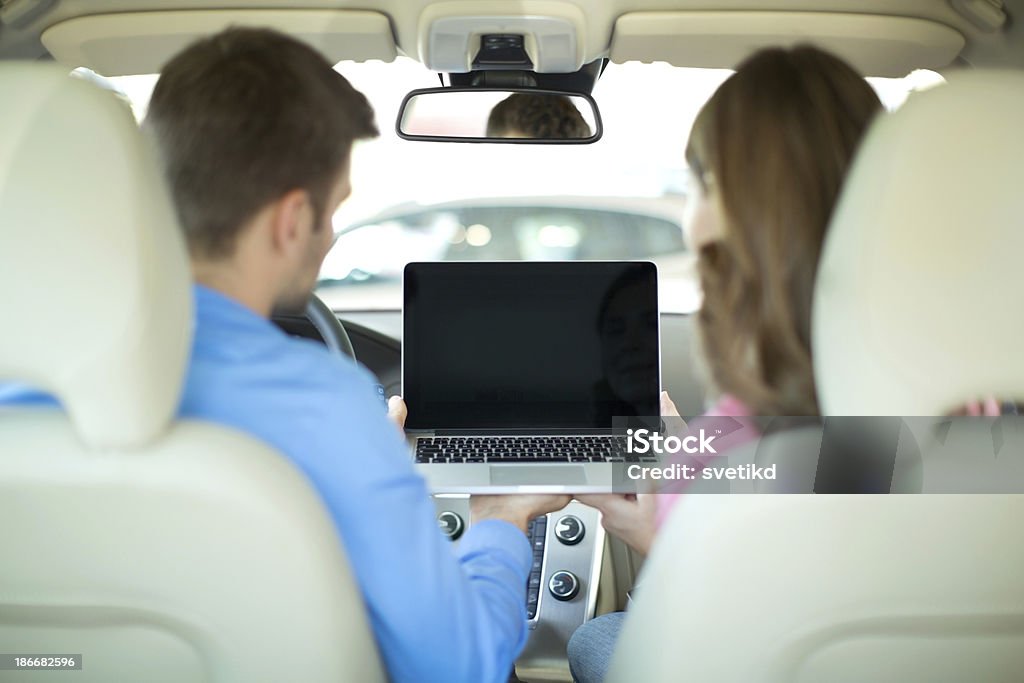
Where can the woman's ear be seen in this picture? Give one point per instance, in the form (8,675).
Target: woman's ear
(702,220)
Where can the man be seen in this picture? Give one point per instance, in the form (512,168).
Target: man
(255,130)
(538,117)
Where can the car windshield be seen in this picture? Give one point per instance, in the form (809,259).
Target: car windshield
(620,198)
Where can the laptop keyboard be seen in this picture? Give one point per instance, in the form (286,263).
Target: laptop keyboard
(508,449)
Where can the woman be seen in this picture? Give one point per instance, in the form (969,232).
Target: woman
(769,152)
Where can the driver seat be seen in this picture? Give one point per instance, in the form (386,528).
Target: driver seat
(152,549)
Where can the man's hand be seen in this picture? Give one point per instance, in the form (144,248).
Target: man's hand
(518,508)
(397,412)
(627,516)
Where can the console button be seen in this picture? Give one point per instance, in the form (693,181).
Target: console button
(451,524)
(563,585)
(569,529)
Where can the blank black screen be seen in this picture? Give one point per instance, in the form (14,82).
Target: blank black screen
(520,345)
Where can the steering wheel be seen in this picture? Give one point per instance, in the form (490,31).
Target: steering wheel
(329,327)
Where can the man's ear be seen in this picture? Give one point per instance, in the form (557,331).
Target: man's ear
(291,217)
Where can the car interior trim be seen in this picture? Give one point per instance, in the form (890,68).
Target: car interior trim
(876,45)
(141,42)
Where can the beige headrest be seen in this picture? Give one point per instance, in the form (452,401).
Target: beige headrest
(94,276)
(918,305)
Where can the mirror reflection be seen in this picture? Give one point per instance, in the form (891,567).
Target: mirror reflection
(539,117)
(499,115)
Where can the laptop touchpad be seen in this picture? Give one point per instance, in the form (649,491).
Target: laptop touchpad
(520,475)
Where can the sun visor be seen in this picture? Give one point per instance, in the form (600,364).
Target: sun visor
(142,42)
(875,45)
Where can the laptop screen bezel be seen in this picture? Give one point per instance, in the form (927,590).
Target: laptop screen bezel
(413,428)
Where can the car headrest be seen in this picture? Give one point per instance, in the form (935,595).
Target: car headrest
(96,302)
(917,306)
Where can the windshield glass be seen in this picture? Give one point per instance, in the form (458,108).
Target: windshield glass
(620,198)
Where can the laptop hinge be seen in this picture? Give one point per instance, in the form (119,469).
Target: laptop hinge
(524,432)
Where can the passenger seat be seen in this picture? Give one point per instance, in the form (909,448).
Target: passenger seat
(918,308)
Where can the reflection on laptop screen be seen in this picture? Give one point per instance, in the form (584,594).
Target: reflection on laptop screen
(521,345)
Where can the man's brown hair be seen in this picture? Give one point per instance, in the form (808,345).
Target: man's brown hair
(244,117)
(537,116)
(776,140)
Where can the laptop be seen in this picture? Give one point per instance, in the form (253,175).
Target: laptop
(518,375)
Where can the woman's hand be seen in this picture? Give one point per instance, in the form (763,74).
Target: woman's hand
(987,407)
(628,517)
(668,407)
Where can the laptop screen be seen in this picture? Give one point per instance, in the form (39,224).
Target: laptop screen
(530,345)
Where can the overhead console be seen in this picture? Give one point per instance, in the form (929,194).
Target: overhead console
(141,42)
(876,45)
(553,33)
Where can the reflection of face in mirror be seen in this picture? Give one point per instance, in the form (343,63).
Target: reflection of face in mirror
(537,117)
(628,326)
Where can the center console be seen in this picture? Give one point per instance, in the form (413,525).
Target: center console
(561,592)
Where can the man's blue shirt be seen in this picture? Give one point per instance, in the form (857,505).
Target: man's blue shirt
(439,613)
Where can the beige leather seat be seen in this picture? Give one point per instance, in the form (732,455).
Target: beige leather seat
(918,308)
(158,550)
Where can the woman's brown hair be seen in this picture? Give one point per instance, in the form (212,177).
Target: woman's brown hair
(775,140)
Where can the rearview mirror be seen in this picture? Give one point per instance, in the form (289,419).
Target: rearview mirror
(513,115)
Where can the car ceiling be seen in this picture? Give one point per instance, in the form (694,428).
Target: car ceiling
(23,21)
